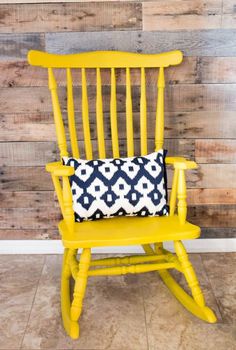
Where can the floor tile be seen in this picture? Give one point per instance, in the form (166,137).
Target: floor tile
(153,278)
(115,308)
(172,327)
(221,270)
(113,316)
(13,321)
(20,275)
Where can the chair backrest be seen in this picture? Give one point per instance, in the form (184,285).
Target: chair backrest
(103,60)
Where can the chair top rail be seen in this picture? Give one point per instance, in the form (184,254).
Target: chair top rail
(104,59)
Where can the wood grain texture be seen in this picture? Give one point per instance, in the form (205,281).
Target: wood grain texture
(20,74)
(70,17)
(187,125)
(15,234)
(213,215)
(29,234)
(39,153)
(179,98)
(207,70)
(32,218)
(44,199)
(181,15)
(16,46)
(28,199)
(26,178)
(212,42)
(205,196)
(228,15)
(215,151)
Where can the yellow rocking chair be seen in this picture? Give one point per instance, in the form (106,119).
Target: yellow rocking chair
(120,231)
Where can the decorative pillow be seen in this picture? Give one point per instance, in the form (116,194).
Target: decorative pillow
(105,188)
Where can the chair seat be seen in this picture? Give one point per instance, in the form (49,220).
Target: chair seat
(125,230)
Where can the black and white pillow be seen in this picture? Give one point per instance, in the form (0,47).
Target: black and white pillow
(105,188)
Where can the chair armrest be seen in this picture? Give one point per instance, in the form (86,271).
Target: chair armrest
(59,169)
(178,190)
(63,190)
(181,163)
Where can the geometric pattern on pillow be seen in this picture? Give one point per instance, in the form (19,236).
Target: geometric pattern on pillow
(104,188)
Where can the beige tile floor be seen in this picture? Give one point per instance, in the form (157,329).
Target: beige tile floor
(132,312)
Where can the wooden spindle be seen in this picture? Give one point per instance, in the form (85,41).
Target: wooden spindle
(85,117)
(99,116)
(113,116)
(71,115)
(173,194)
(129,116)
(60,130)
(182,195)
(159,135)
(68,212)
(143,114)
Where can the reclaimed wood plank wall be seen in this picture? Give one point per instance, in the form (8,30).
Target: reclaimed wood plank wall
(200,99)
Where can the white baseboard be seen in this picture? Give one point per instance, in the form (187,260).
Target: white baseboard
(55,246)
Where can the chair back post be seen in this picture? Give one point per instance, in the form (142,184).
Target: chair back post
(60,130)
(159,134)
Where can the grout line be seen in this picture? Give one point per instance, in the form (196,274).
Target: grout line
(36,289)
(212,289)
(145,318)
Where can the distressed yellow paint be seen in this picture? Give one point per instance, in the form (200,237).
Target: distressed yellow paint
(113,116)
(85,117)
(129,116)
(120,230)
(71,115)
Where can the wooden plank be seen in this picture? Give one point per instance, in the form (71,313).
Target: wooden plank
(228,14)
(54,1)
(21,74)
(207,70)
(29,234)
(222,124)
(16,46)
(213,215)
(212,42)
(218,232)
(200,196)
(79,42)
(212,176)
(39,153)
(216,124)
(23,127)
(178,98)
(24,178)
(181,15)
(63,17)
(215,151)
(206,232)
(217,70)
(208,176)
(28,153)
(32,218)
(29,218)
(44,199)
(28,199)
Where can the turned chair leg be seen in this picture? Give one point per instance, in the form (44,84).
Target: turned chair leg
(80,285)
(72,328)
(189,273)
